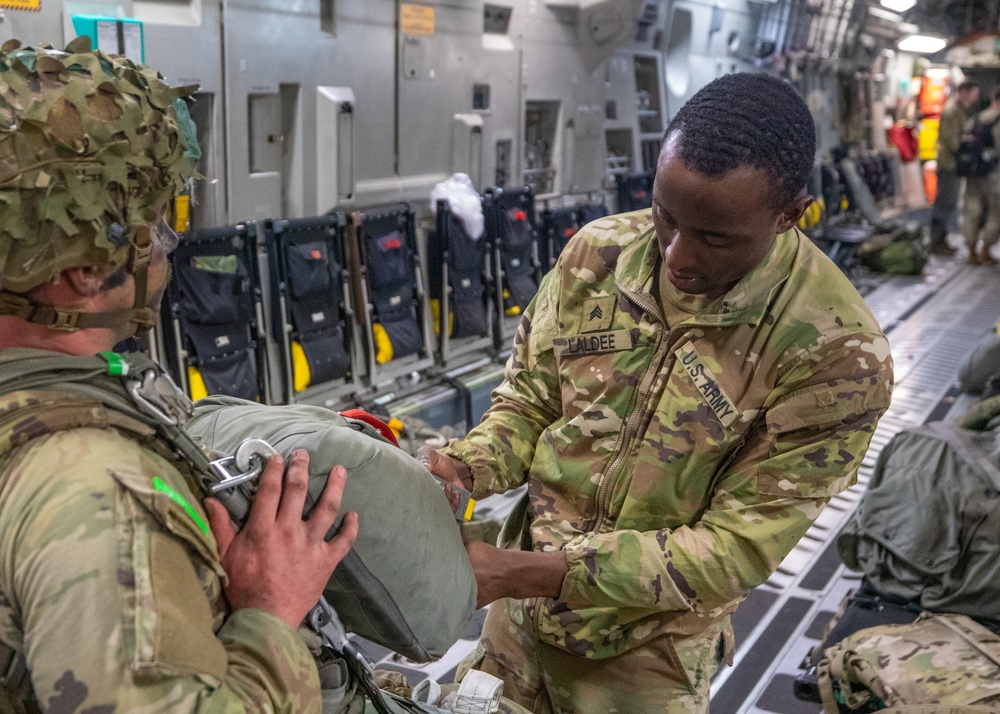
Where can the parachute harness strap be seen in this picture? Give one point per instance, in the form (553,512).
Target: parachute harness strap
(323,620)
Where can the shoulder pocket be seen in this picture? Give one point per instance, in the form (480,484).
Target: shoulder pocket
(819,436)
(170,581)
(828,404)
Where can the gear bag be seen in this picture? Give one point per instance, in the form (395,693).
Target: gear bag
(307,268)
(407,584)
(982,363)
(212,300)
(858,611)
(465,257)
(927,527)
(939,664)
(897,252)
(510,224)
(977,156)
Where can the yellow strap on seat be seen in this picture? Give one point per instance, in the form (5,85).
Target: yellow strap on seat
(436,317)
(383,345)
(196,385)
(514,310)
(301,374)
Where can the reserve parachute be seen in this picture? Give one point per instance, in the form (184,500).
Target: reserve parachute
(407,583)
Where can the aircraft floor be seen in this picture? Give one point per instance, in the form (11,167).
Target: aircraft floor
(931,322)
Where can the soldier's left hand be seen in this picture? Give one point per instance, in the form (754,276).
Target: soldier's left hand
(515,573)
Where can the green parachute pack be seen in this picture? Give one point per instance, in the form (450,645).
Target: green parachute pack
(407,583)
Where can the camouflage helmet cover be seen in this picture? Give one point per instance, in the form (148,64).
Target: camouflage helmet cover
(92,148)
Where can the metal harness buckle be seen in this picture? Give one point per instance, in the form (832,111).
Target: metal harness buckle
(158,397)
(246,464)
(325,621)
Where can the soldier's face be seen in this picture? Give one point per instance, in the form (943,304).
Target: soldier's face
(713,230)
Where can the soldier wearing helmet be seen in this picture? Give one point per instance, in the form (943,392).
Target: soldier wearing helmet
(119,589)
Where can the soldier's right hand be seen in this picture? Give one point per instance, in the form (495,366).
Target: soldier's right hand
(445,467)
(280,562)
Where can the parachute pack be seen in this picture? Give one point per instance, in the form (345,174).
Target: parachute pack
(382,589)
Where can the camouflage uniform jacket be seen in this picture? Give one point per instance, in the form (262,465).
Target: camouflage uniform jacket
(113,589)
(675,467)
(953,119)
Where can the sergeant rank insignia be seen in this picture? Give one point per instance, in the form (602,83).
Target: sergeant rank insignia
(598,313)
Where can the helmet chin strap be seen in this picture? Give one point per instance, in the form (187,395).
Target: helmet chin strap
(69,320)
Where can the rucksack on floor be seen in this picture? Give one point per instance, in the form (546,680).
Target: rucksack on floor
(899,251)
(977,156)
(939,664)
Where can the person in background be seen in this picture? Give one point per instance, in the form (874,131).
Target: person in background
(957,111)
(981,217)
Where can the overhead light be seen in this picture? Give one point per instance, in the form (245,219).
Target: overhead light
(899,5)
(922,44)
(885,14)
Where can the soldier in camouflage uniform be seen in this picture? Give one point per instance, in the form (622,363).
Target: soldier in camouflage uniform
(113,588)
(687,391)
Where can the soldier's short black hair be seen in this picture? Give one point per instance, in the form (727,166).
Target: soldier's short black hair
(967,85)
(749,119)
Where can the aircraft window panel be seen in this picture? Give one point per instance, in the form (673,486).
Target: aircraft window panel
(264,123)
(620,151)
(540,132)
(647,84)
(502,165)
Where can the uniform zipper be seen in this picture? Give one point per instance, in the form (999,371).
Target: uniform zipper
(642,394)
(603,487)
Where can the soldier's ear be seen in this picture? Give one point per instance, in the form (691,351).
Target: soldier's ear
(791,214)
(85,281)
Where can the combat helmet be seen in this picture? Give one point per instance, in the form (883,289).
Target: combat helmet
(92,149)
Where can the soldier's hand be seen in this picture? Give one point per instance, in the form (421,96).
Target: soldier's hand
(515,573)
(280,562)
(445,467)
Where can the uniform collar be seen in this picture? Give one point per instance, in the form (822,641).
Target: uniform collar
(746,303)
